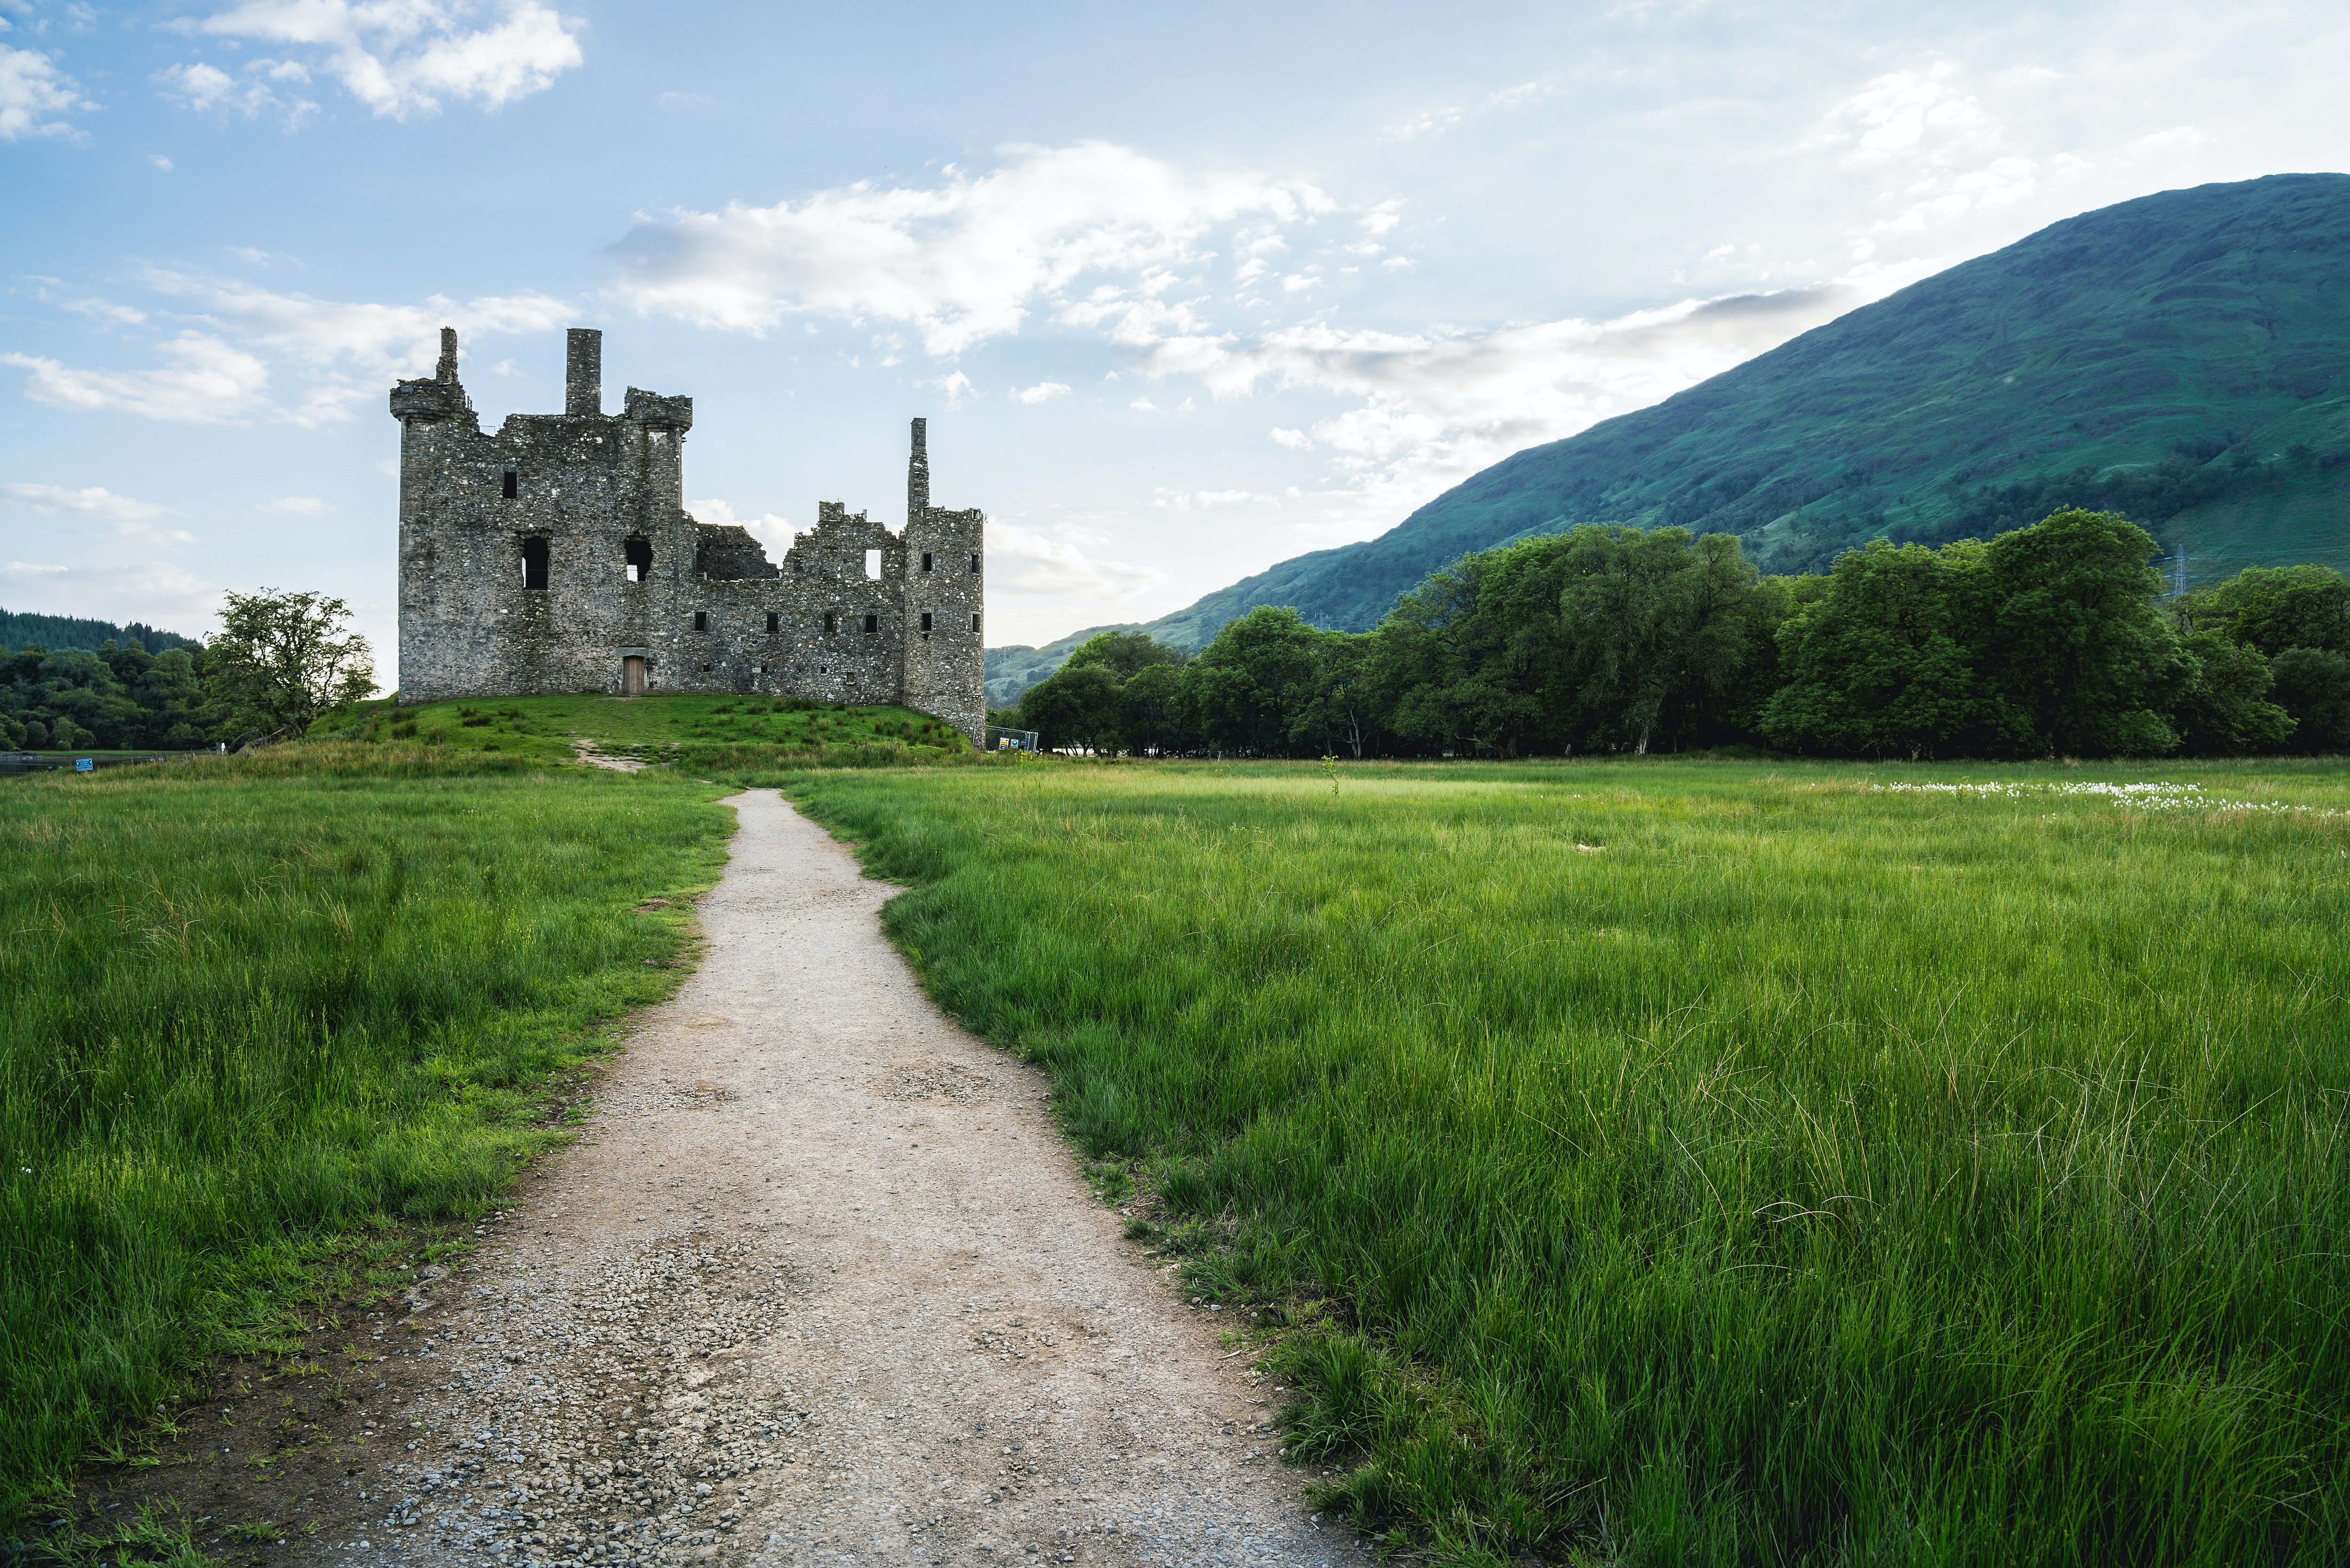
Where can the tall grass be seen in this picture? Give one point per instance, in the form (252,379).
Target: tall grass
(245,1002)
(1725,1164)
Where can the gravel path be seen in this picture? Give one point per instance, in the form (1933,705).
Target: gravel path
(822,1285)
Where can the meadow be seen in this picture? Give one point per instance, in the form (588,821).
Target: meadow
(1710,1162)
(251,1007)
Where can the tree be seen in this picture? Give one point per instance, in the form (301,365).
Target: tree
(2076,645)
(1651,623)
(1879,665)
(283,661)
(1124,653)
(2224,709)
(2272,608)
(2313,685)
(1151,710)
(1247,690)
(1074,708)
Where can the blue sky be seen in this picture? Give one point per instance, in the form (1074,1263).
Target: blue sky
(1184,291)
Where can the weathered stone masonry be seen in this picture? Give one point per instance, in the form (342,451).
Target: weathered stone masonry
(558,555)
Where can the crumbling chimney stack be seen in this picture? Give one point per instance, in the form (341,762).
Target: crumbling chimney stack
(583,371)
(446,371)
(918,476)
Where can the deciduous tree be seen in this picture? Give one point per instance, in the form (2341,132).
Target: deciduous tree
(283,661)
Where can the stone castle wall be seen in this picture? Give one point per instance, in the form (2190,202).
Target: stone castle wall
(545,557)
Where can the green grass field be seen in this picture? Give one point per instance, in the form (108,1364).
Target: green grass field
(701,731)
(1714,1163)
(247,1005)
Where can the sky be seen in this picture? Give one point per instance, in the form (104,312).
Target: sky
(1183,291)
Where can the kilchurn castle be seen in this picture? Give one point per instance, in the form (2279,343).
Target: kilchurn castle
(558,555)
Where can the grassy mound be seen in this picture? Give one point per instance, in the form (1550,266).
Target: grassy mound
(708,731)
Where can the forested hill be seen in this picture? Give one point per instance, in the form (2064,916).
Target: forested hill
(66,634)
(2183,358)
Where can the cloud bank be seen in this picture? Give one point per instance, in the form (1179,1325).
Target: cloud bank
(401,58)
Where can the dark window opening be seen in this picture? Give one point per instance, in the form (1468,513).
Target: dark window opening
(533,563)
(701,623)
(798,565)
(974,622)
(775,624)
(926,560)
(831,623)
(872,626)
(926,620)
(514,484)
(637,556)
(974,562)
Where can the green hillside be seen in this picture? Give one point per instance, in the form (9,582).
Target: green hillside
(2184,358)
(70,634)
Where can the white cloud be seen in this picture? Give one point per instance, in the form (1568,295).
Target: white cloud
(1433,408)
(955,387)
(334,354)
(1143,405)
(296,506)
(1904,114)
(103,309)
(33,92)
(160,162)
(157,592)
(2177,139)
(403,57)
(92,501)
(209,90)
(1042,392)
(1059,566)
(769,529)
(1948,158)
(1200,500)
(961,262)
(1433,121)
(206,382)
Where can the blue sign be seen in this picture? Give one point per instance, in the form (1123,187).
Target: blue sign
(85,764)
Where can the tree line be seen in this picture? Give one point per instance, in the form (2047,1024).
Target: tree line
(281,662)
(2052,639)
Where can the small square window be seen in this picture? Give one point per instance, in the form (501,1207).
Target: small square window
(775,624)
(926,560)
(926,620)
(872,626)
(701,621)
(514,484)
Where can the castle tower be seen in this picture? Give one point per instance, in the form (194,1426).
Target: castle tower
(945,591)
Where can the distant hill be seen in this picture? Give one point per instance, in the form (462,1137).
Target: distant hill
(66,634)
(2183,358)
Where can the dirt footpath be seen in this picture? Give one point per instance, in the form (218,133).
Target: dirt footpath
(821,1284)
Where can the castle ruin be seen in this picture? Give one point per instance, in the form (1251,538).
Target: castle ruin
(558,555)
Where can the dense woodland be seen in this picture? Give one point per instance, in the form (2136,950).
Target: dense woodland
(2051,640)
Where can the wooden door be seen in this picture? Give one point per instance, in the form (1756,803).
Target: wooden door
(632,676)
